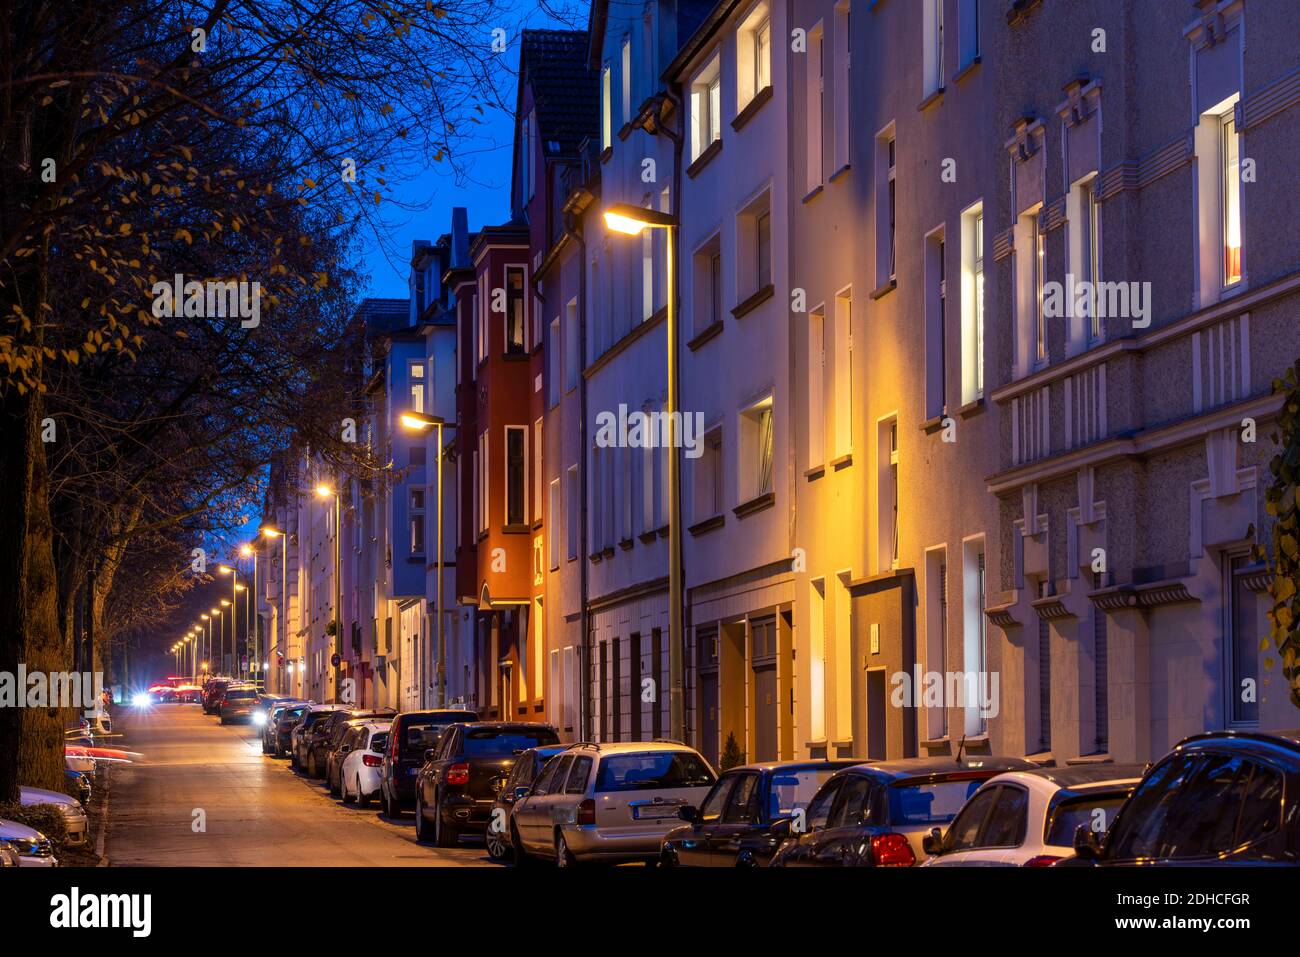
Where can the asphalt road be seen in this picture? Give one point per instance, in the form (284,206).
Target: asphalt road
(255,810)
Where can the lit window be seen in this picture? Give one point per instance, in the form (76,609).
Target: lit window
(416,370)
(1231,167)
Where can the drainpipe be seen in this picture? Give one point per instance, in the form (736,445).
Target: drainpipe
(584,618)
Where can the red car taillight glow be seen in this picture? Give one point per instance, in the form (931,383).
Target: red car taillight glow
(1043,860)
(372,760)
(458,774)
(586,812)
(892,850)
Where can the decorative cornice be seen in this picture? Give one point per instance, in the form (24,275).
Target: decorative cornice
(1172,592)
(1004,243)
(1258,578)
(1142,172)
(1001,616)
(1051,608)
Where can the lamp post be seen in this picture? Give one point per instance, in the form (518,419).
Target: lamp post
(234,613)
(207,645)
(224,604)
(632,221)
(282,635)
(250,619)
(419,422)
(323,492)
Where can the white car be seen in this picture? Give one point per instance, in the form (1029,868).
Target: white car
(74,815)
(1028,818)
(33,848)
(363,747)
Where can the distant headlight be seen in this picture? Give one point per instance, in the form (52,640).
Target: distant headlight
(259,717)
(141,700)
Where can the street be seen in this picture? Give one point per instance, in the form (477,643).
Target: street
(255,810)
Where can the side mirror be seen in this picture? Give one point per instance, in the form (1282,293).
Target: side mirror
(344,749)
(688,813)
(521,792)
(932,843)
(430,754)
(1087,845)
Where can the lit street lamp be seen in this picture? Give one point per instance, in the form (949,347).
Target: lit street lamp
(632,221)
(419,422)
(282,635)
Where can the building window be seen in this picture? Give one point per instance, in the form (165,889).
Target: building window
(553,523)
(753,55)
(756,450)
(417,521)
(843,375)
(709,499)
(515,319)
(816,401)
(527,155)
(516,474)
(571,524)
(932,30)
(706,107)
(974,640)
(595,504)
(972,304)
(1031,324)
(843,71)
(1044,678)
(1039,262)
(1230,180)
(936,306)
(483,483)
(815,89)
(1100,671)
(887,517)
(627,79)
(571,351)
(754,228)
(707,290)
(968,32)
(553,365)
(936,574)
(537,469)
(415,369)
(1081,217)
(886,155)
(606,121)
(1243,665)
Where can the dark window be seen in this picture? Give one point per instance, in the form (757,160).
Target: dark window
(819,811)
(1261,811)
(1101,688)
(930,803)
(379,743)
(744,805)
(634,685)
(1096,811)
(515,476)
(656,671)
(652,770)
(1203,821)
(503,743)
(547,778)
(790,790)
(850,808)
(577,782)
(1137,831)
(711,809)
(514,310)
(763,250)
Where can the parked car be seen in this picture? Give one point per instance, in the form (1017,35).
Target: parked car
(1224,797)
(458,784)
(748,814)
(1028,818)
(238,704)
(528,764)
(326,736)
(333,748)
(8,854)
(271,731)
(212,692)
(262,709)
(33,848)
(411,734)
(74,815)
(79,780)
(304,728)
(608,802)
(362,756)
(877,815)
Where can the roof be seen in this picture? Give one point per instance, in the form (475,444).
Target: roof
(384,315)
(692,43)
(566,91)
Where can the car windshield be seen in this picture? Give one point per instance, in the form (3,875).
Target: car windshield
(1095,811)
(502,744)
(291,713)
(792,790)
(653,769)
(931,803)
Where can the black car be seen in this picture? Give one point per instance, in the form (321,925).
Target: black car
(1224,797)
(327,734)
(527,765)
(280,727)
(333,757)
(878,815)
(271,726)
(238,703)
(748,814)
(212,692)
(458,784)
(412,734)
(300,734)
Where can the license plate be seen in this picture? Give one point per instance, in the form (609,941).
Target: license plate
(412,771)
(653,812)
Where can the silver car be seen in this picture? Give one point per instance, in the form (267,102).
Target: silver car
(607,802)
(74,816)
(30,847)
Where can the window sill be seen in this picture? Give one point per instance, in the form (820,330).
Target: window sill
(813,194)
(515,357)
(608,551)
(625,544)
(934,423)
(594,558)
(966,71)
(708,525)
(701,161)
(973,407)
(929,101)
(842,461)
(648,538)
(841,172)
(662,531)
(709,332)
(754,301)
(537,525)
(518,529)
(816,472)
(746,509)
(606,153)
(881,291)
(753,106)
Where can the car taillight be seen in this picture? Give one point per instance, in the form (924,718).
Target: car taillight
(458,774)
(892,850)
(586,812)
(395,744)
(372,760)
(1043,860)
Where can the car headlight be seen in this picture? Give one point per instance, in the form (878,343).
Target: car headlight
(140,700)
(259,717)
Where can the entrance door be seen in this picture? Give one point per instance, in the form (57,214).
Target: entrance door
(876,696)
(709,716)
(763,662)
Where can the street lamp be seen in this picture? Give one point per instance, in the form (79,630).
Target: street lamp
(250,619)
(207,645)
(282,636)
(222,606)
(419,422)
(234,613)
(323,491)
(632,220)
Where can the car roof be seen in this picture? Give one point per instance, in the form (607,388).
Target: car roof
(1077,777)
(606,748)
(810,764)
(504,725)
(438,713)
(901,768)
(1288,740)
(326,707)
(9,830)
(377,726)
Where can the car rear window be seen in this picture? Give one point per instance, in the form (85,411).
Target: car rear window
(379,742)
(929,803)
(240,693)
(292,713)
(1096,811)
(420,735)
(485,743)
(650,770)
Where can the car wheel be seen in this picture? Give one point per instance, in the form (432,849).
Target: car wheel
(444,834)
(335,789)
(311,765)
(563,856)
(391,807)
(223,719)
(362,800)
(498,847)
(346,797)
(668,858)
(421,828)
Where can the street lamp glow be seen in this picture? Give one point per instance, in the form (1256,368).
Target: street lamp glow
(239,588)
(225,569)
(224,604)
(246,550)
(270,532)
(634,220)
(216,611)
(418,421)
(324,491)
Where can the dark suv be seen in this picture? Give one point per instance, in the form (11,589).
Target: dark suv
(212,692)
(459,782)
(1225,797)
(412,734)
(322,737)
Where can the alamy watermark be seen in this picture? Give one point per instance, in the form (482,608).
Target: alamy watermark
(1101,300)
(53,689)
(208,300)
(651,430)
(947,689)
